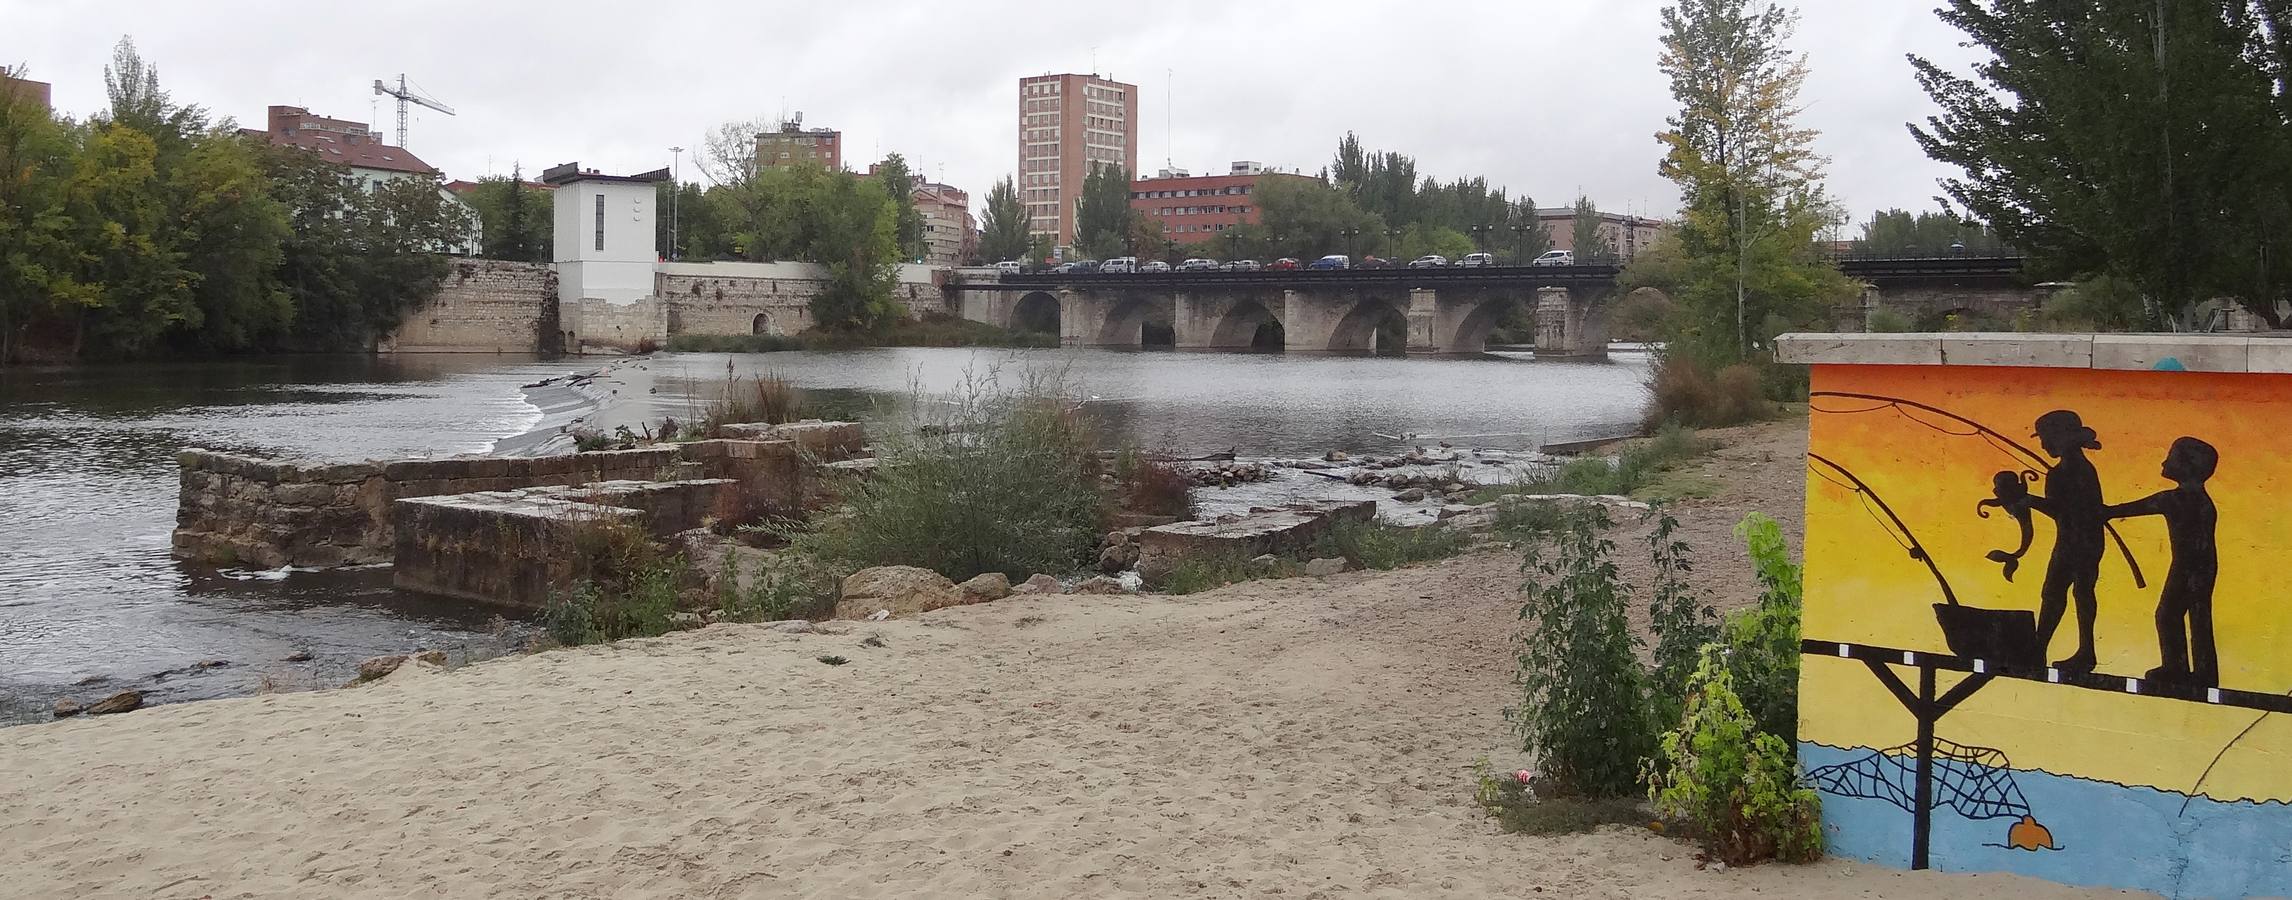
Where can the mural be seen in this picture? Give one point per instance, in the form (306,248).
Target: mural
(2120,714)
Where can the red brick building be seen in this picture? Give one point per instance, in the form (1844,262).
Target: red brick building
(25,89)
(794,143)
(1194,209)
(1068,125)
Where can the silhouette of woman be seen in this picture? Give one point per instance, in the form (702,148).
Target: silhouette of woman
(2073,501)
(2184,606)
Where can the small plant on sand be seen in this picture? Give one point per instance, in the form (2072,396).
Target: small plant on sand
(772,592)
(1733,785)
(1511,800)
(1153,487)
(1683,622)
(1379,545)
(1583,712)
(1002,480)
(1762,642)
(1196,574)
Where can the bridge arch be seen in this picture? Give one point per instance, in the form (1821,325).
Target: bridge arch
(1372,325)
(1037,313)
(1246,325)
(1124,322)
(1470,334)
(762,324)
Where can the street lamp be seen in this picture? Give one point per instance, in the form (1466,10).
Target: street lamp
(676,198)
(1480,237)
(1233,246)
(1350,234)
(1519,242)
(1392,241)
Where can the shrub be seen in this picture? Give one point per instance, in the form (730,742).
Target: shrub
(1684,391)
(1378,545)
(1003,481)
(1153,487)
(1583,712)
(788,590)
(1683,622)
(1528,519)
(769,399)
(1883,320)
(1517,809)
(1762,642)
(1734,785)
(622,587)
(1196,574)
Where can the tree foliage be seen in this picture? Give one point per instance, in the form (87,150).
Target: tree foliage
(1749,179)
(1388,185)
(1590,236)
(1896,232)
(1103,217)
(805,212)
(1304,218)
(1003,227)
(2132,138)
(907,223)
(515,219)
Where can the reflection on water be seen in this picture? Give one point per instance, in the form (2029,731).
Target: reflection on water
(88,478)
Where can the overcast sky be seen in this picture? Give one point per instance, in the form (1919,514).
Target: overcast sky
(1543,97)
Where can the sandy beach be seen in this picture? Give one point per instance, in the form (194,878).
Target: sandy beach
(1300,738)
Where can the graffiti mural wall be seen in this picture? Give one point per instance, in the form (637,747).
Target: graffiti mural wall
(2049,623)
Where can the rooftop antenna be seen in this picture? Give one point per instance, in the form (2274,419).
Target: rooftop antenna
(406,96)
(1169,140)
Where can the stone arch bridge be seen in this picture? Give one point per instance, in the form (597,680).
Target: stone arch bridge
(1440,311)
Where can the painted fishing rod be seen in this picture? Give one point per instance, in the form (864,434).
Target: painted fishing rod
(1917,549)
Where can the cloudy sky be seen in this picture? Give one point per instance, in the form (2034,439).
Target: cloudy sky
(1548,98)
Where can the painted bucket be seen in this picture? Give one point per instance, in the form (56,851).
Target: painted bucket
(2003,637)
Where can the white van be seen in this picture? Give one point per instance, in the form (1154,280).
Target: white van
(1556,258)
(1120,265)
(1010,267)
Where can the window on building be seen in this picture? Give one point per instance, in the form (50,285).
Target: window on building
(600,222)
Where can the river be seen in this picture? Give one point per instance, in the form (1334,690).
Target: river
(91,601)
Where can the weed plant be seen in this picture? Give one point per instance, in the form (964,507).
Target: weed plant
(1380,545)
(1584,713)
(622,587)
(1732,783)
(1215,570)
(1638,465)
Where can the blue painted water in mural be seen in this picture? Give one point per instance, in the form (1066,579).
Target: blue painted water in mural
(2108,835)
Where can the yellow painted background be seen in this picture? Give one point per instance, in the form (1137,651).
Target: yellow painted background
(1863,587)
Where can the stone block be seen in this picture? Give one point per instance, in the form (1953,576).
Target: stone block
(824,440)
(1860,349)
(498,548)
(2270,354)
(2053,351)
(1279,531)
(2173,352)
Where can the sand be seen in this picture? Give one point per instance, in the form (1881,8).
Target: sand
(1301,738)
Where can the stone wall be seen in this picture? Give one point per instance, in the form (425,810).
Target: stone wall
(240,510)
(516,548)
(483,306)
(590,323)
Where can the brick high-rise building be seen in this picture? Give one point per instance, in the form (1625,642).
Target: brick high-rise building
(25,89)
(794,143)
(1198,208)
(1068,123)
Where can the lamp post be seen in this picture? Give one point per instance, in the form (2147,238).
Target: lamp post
(676,198)
(1480,237)
(1350,234)
(1519,242)
(1233,246)
(1392,241)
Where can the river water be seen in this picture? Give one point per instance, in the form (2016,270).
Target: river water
(91,602)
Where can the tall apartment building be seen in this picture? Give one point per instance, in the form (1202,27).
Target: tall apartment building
(794,143)
(1068,123)
(947,223)
(26,89)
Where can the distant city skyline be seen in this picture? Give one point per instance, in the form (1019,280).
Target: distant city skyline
(1545,102)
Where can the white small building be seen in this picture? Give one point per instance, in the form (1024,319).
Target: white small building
(605,238)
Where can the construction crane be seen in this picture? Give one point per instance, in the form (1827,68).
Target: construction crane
(406,96)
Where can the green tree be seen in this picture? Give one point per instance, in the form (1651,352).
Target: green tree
(1749,180)
(40,277)
(230,241)
(899,183)
(848,224)
(1902,233)
(359,259)
(1305,218)
(514,219)
(1003,226)
(2135,138)
(1102,217)
(1591,236)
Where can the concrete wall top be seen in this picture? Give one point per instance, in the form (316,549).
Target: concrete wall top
(909,273)
(2140,352)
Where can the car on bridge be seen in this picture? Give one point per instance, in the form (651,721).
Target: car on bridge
(1077,267)
(1556,258)
(1374,262)
(1243,265)
(1284,264)
(1120,265)
(1198,264)
(1429,261)
(1332,262)
(1010,267)
(1477,261)
(1153,267)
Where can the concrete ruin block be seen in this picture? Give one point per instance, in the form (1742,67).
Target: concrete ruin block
(824,440)
(2041,350)
(1280,531)
(506,549)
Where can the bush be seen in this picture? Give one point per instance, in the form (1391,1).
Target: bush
(1378,545)
(1583,712)
(772,593)
(1683,622)
(1734,785)
(1153,487)
(1003,481)
(1762,642)
(1684,391)
(1528,519)
(769,399)
(1517,809)
(1196,574)
(1882,320)
(622,587)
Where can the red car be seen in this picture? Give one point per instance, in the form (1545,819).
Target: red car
(1284,264)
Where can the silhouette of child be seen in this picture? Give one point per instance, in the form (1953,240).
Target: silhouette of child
(2184,606)
(2073,500)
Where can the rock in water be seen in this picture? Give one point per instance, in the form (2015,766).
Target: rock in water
(1411,495)
(1040,584)
(67,707)
(905,590)
(374,667)
(117,703)
(1325,566)
(986,588)
(1100,584)
(298,656)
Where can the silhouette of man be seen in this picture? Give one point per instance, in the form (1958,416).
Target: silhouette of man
(2184,606)
(2073,501)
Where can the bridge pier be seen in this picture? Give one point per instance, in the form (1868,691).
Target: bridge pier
(1571,324)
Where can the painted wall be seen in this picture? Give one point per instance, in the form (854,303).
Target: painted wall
(2129,769)
(622,272)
